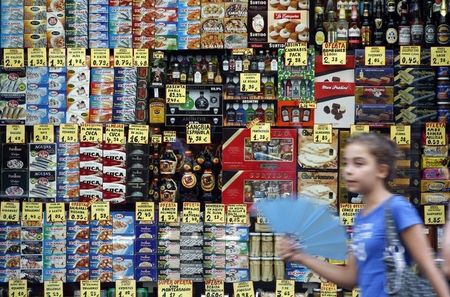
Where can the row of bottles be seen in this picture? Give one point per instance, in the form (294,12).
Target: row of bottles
(239,114)
(297,88)
(194,70)
(267,88)
(251,63)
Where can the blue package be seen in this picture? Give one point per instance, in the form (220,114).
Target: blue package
(37,95)
(146,232)
(37,114)
(37,75)
(98,17)
(102,233)
(99,35)
(56,116)
(55,261)
(55,247)
(123,267)
(10,232)
(57,81)
(102,275)
(146,275)
(78,232)
(143,246)
(10,262)
(120,41)
(123,245)
(98,8)
(104,262)
(9,274)
(77,261)
(123,223)
(77,247)
(57,99)
(235,233)
(76,275)
(101,247)
(146,261)
(55,275)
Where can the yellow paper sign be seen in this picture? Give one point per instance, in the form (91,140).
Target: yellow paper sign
(169,136)
(175,94)
(68,133)
(123,57)
(296,54)
(115,134)
(237,214)
(10,211)
(214,213)
(145,211)
(100,57)
(90,288)
(375,55)
(434,214)
(32,211)
(37,57)
(15,134)
(91,133)
(250,82)
(141,57)
(176,288)
(435,134)
(348,211)
(100,211)
(44,133)
(76,57)
(243,289)
(285,288)
(440,56)
(126,288)
(78,211)
(311,105)
(356,292)
(260,132)
(410,55)
(334,53)
(17,288)
(55,212)
(56,57)
(323,133)
(198,133)
(356,129)
(158,55)
(13,57)
(401,135)
(191,212)
(328,290)
(157,138)
(53,289)
(214,288)
(168,212)
(242,51)
(138,134)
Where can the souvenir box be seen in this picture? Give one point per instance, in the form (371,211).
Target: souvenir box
(313,155)
(290,115)
(335,73)
(319,185)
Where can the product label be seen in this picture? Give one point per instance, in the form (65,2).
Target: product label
(334,53)
(126,288)
(100,210)
(175,94)
(404,33)
(375,55)
(55,212)
(214,288)
(260,132)
(13,57)
(443,34)
(191,212)
(100,57)
(43,133)
(430,34)
(37,57)
(214,213)
(198,133)
(138,134)
(401,135)
(440,56)
(76,57)
(391,35)
(15,133)
(145,211)
(295,54)
(90,288)
(435,134)
(32,211)
(56,57)
(285,288)
(243,289)
(53,289)
(237,214)
(17,288)
(323,133)
(416,34)
(250,82)
(434,214)
(410,55)
(78,211)
(9,211)
(355,129)
(68,133)
(123,57)
(115,134)
(168,212)
(178,288)
(141,57)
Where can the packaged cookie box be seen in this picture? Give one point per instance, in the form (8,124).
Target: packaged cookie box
(239,152)
(374,114)
(288,26)
(360,59)
(123,223)
(313,155)
(417,76)
(290,115)
(249,186)
(434,198)
(335,73)
(374,76)
(319,185)
(102,275)
(414,96)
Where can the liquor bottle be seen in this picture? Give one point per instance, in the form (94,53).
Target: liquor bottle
(296,89)
(288,90)
(331,32)
(183,75)
(230,114)
(240,115)
(189,103)
(391,36)
(188,189)
(225,64)
(430,26)
(156,108)
(210,73)
(204,69)
(176,74)
(342,26)
(269,115)
(246,64)
(319,9)
(443,28)
(168,161)
(329,8)
(168,190)
(274,62)
(404,29)
(260,113)
(354,32)
(250,114)
(320,35)
(198,75)
(261,63)
(254,64)
(201,102)
(295,114)
(267,61)
(285,114)
(269,88)
(232,64)
(366,30)
(218,77)
(378,33)
(238,64)
(416,23)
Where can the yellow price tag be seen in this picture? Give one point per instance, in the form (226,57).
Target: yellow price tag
(214,213)
(15,134)
(13,57)
(145,211)
(356,129)
(10,211)
(157,138)
(243,289)
(175,94)
(250,82)
(53,289)
(356,292)
(285,288)
(435,134)
(434,214)
(214,288)
(375,55)
(44,133)
(260,132)
(141,57)
(440,56)
(37,57)
(334,53)
(169,136)
(296,54)
(311,105)
(176,288)
(198,133)
(100,57)
(237,214)
(56,57)
(158,55)
(76,57)
(55,212)
(115,134)
(323,133)
(348,212)
(17,288)
(242,51)
(68,133)
(100,211)
(126,288)
(191,212)
(260,219)
(90,288)
(123,57)
(410,55)
(138,134)
(78,211)
(401,135)
(32,211)
(328,290)
(168,212)
(91,133)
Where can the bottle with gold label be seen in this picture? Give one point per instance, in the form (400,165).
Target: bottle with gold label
(320,33)
(156,109)
(188,189)
(443,28)
(168,190)
(168,161)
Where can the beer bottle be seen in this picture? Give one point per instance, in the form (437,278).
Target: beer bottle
(430,26)
(443,28)
(354,32)
(320,35)
(416,24)
(391,36)
(342,26)
(366,31)
(332,32)
(404,29)
(378,34)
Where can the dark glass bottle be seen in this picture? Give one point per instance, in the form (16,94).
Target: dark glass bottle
(391,36)
(366,30)
(430,26)
(443,28)
(189,187)
(354,31)
(404,29)
(416,23)
(378,33)
(320,34)
(168,161)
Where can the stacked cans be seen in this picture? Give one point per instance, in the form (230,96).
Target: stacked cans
(78,247)
(169,251)
(9,251)
(31,259)
(114,173)
(14,183)
(68,178)
(101,259)
(56,35)
(91,171)
(77,23)
(145,251)
(123,245)
(37,95)
(191,252)
(137,172)
(42,179)
(55,235)
(143,76)
(57,102)
(77,95)
(98,24)
(101,98)
(214,250)
(120,24)
(189,25)
(35,23)
(12,26)
(13,86)
(124,100)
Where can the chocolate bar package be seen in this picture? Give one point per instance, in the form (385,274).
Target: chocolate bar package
(414,96)
(374,95)
(374,76)
(417,77)
(374,114)
(413,115)
(313,155)
(319,185)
